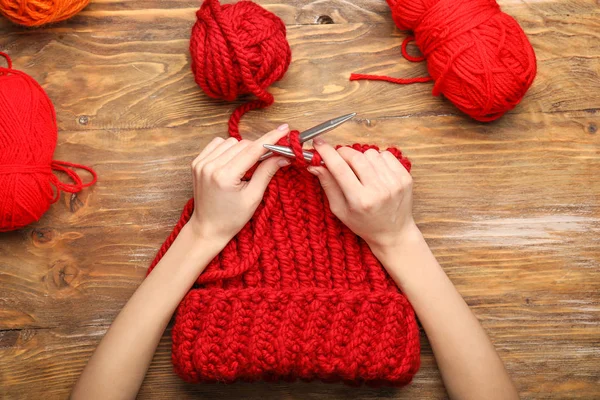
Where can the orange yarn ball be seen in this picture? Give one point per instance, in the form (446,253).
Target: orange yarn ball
(40,12)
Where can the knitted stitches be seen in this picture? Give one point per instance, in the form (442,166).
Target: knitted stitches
(295,294)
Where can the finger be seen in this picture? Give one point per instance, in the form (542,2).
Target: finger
(229,154)
(220,149)
(384,173)
(264,173)
(333,191)
(247,158)
(360,165)
(339,168)
(395,166)
(208,149)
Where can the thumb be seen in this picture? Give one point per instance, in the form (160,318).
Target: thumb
(264,173)
(332,189)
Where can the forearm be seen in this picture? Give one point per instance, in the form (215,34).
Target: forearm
(119,364)
(468,362)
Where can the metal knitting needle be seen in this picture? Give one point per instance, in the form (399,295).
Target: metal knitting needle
(317,130)
(287,152)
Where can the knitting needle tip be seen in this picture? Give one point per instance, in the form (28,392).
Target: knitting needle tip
(311,134)
(324,127)
(287,152)
(282,150)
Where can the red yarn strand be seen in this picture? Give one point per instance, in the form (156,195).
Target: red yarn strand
(8,60)
(405,54)
(78,185)
(400,81)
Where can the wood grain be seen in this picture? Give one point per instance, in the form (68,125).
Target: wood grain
(141,79)
(511,209)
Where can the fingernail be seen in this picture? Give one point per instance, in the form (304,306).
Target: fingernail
(318,141)
(283,162)
(283,127)
(313,170)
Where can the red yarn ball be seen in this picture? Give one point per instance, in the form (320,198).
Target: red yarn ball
(28,135)
(478,56)
(238,49)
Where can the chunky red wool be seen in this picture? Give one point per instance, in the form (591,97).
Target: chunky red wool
(28,135)
(295,294)
(238,49)
(478,56)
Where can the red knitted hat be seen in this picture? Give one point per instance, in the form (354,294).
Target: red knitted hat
(295,294)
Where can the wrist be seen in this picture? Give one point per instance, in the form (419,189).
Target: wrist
(186,259)
(406,238)
(201,234)
(199,244)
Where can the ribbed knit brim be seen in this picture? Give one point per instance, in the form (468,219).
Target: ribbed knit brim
(295,294)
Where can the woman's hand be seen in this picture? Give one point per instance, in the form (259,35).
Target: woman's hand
(371,193)
(223,202)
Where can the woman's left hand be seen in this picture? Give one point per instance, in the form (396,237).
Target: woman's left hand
(223,202)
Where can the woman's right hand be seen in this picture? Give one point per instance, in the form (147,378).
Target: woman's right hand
(371,193)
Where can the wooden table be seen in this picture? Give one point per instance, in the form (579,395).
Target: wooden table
(511,209)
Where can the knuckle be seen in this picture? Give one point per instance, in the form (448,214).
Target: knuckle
(345,152)
(221,185)
(325,183)
(270,173)
(219,176)
(231,140)
(367,203)
(357,157)
(386,195)
(197,166)
(371,153)
(207,170)
(336,210)
(397,189)
(247,144)
(336,165)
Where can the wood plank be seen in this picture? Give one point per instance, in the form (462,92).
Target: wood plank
(169,14)
(541,273)
(44,363)
(510,208)
(142,79)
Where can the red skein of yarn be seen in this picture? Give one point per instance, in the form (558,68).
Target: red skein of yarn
(478,56)
(28,135)
(238,49)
